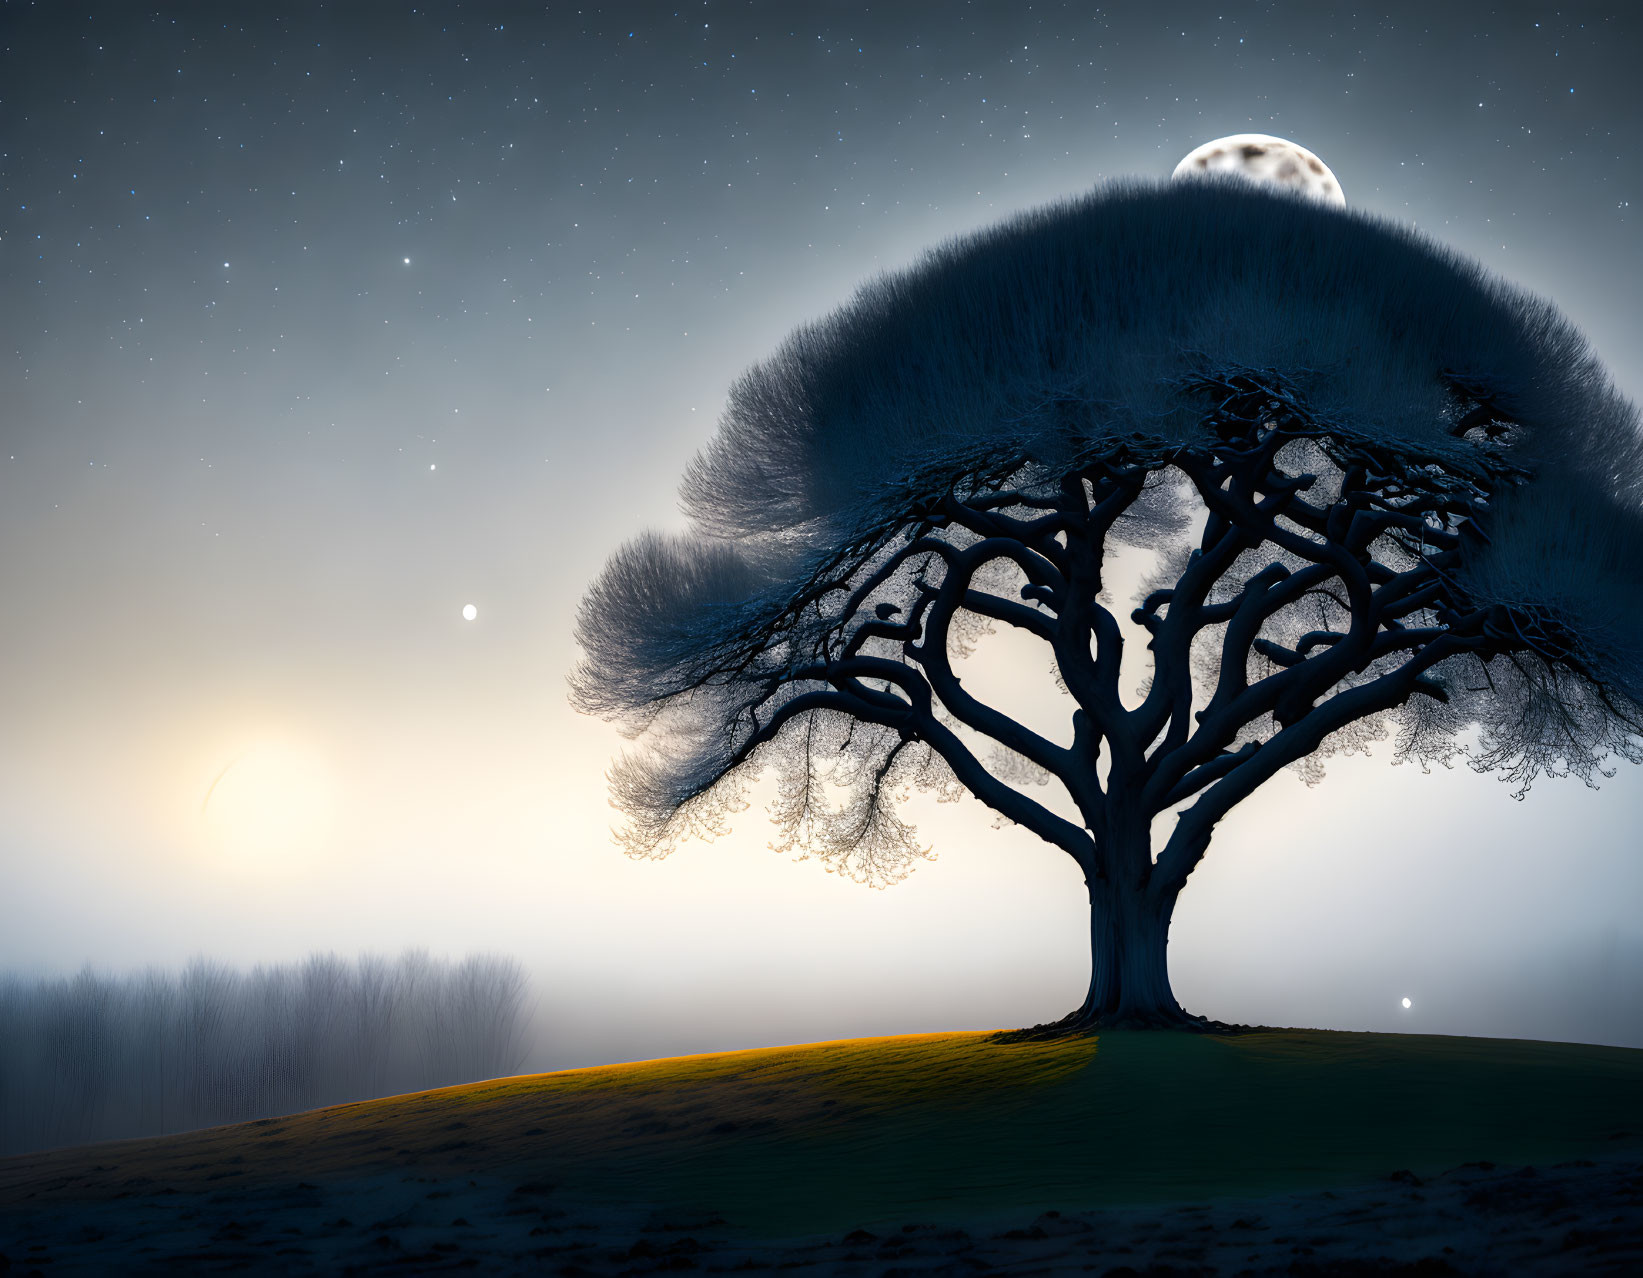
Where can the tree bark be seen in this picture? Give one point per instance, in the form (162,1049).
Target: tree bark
(1129,966)
(1129,969)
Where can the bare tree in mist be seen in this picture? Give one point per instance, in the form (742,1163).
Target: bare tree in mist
(374,1004)
(483,993)
(1378,490)
(97,1058)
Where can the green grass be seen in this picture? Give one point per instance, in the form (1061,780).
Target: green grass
(947,1126)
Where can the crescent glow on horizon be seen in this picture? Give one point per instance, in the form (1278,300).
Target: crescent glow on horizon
(1262,158)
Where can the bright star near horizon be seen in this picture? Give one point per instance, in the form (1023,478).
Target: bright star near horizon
(469,612)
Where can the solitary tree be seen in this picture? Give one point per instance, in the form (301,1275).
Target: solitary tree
(1370,487)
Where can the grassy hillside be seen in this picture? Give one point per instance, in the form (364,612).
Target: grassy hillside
(933,1127)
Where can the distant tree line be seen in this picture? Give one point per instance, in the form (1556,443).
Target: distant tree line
(92,1057)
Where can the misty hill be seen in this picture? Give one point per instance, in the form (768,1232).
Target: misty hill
(940,1132)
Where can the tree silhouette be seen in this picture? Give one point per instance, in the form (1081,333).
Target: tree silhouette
(1371,488)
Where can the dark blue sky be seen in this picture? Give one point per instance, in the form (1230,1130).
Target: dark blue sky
(322,322)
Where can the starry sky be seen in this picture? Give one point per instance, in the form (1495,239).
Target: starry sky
(323,322)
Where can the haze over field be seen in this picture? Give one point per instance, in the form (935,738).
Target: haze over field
(324,328)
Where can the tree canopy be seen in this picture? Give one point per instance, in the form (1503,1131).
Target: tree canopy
(1380,488)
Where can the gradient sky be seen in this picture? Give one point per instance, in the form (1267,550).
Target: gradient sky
(321,323)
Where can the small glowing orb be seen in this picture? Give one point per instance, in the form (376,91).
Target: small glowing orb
(407,261)
(1406,1002)
(271,802)
(469,612)
(430,465)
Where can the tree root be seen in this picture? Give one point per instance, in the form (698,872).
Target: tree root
(1080,1025)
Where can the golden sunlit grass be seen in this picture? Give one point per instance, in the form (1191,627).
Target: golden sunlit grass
(936,1126)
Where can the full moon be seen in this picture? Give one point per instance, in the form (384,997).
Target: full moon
(1406,1002)
(1262,158)
(469,612)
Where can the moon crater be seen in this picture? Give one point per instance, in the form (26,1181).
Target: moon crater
(1262,158)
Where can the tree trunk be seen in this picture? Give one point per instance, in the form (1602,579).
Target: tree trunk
(1129,966)
(1129,969)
